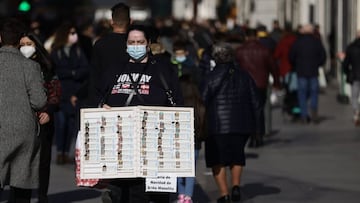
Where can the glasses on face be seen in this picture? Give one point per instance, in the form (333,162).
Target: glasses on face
(72,33)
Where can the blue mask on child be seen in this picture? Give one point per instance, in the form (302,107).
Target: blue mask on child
(136,52)
(180,59)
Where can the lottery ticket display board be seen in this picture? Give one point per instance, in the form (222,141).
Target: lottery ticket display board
(139,141)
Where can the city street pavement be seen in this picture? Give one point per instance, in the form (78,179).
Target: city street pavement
(299,163)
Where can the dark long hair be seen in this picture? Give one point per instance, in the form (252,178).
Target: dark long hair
(61,35)
(42,56)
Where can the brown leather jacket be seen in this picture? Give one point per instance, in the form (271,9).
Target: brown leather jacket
(258,61)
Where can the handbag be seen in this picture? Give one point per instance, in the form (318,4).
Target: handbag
(53,88)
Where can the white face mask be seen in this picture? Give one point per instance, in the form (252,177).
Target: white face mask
(27,51)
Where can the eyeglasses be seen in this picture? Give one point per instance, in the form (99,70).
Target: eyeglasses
(72,33)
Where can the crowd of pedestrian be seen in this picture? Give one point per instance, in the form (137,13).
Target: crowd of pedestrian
(225,78)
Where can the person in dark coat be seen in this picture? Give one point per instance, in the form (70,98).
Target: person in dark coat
(109,50)
(22,94)
(233,109)
(86,36)
(282,50)
(265,39)
(72,68)
(118,88)
(277,32)
(258,61)
(306,55)
(183,63)
(351,67)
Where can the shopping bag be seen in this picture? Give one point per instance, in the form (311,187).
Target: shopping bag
(322,78)
(79,181)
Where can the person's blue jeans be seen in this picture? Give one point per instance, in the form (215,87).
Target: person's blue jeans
(185,185)
(65,128)
(308,87)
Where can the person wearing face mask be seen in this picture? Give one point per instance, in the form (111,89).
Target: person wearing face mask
(27,50)
(188,74)
(72,68)
(31,47)
(119,88)
(151,90)
(182,63)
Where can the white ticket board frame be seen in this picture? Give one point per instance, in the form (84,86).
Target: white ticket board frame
(137,141)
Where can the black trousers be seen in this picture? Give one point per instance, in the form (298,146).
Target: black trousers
(257,139)
(19,195)
(262,94)
(46,139)
(132,190)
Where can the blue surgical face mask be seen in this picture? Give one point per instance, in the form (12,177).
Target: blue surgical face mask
(180,59)
(136,51)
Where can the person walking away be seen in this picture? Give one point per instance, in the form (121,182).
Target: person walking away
(72,68)
(233,111)
(306,55)
(110,49)
(21,95)
(32,48)
(277,32)
(258,61)
(86,38)
(265,39)
(351,67)
(287,74)
(282,50)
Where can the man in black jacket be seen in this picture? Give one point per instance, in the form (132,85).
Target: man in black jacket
(107,52)
(110,49)
(257,60)
(352,60)
(306,55)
